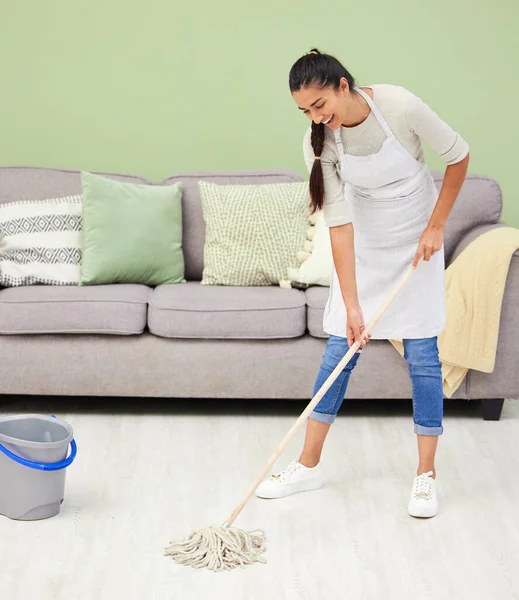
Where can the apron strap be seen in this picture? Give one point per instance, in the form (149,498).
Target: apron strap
(376,112)
(338,142)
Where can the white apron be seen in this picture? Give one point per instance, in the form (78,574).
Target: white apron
(392,197)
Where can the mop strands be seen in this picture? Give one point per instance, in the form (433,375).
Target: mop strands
(224,548)
(219,548)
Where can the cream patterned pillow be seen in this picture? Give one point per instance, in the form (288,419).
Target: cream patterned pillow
(40,241)
(254,233)
(317,268)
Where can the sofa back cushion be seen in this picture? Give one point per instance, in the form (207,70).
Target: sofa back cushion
(38,183)
(193,224)
(480,202)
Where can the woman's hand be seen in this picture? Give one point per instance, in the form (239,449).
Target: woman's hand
(355,326)
(430,242)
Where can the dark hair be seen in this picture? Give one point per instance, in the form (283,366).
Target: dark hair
(322,70)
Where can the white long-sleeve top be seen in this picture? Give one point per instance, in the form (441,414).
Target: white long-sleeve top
(410,119)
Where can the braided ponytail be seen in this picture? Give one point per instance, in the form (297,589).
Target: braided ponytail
(316,175)
(320,70)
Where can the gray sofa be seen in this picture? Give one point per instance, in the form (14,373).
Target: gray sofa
(193,341)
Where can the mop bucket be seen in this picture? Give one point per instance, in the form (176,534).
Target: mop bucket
(33,460)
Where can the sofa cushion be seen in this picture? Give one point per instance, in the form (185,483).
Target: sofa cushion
(38,183)
(316,298)
(480,202)
(192,310)
(111,309)
(193,224)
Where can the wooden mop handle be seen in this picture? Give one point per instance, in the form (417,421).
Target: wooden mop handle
(315,400)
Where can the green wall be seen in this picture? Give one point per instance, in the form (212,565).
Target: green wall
(160,87)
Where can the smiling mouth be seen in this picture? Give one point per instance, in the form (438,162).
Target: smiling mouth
(329,120)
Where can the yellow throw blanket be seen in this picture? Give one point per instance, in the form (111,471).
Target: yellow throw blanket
(474,284)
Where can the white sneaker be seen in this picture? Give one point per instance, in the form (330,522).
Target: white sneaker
(295,478)
(424,500)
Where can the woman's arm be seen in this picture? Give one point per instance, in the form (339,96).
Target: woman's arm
(432,238)
(452,182)
(336,214)
(454,151)
(343,251)
(336,209)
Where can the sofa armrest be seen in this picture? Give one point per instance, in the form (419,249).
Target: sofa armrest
(503,382)
(471,236)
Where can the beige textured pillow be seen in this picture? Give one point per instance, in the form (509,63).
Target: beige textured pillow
(254,233)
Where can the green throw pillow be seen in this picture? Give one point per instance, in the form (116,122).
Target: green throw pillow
(254,233)
(132,233)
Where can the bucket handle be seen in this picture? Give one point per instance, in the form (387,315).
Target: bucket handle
(57,466)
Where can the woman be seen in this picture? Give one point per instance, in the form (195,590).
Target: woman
(369,177)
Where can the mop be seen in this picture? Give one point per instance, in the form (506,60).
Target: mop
(226,547)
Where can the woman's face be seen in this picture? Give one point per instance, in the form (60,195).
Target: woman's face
(324,105)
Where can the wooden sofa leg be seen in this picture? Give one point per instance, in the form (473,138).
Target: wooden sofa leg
(491,408)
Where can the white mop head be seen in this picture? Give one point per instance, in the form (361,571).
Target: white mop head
(219,548)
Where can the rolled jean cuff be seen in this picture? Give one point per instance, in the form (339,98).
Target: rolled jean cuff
(420,429)
(322,417)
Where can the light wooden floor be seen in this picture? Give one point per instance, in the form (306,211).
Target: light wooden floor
(144,477)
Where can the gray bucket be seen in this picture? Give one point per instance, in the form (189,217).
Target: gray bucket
(33,462)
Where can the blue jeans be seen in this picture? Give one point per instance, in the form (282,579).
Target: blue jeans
(425,370)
